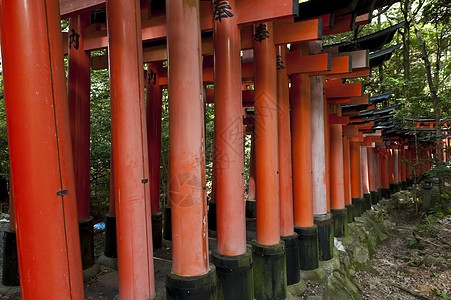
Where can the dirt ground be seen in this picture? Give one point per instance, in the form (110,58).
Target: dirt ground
(413,263)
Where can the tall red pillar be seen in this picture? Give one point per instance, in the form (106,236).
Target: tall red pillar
(287,233)
(40,150)
(356,178)
(231,257)
(187,154)
(130,159)
(153,116)
(267,167)
(79,111)
(301,130)
(338,209)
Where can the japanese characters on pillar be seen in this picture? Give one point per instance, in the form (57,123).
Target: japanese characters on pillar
(40,153)
(268,214)
(79,97)
(228,157)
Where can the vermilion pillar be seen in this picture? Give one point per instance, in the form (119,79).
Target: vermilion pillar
(338,208)
(231,257)
(187,153)
(267,243)
(301,129)
(365,167)
(346,171)
(40,150)
(79,111)
(285,171)
(153,116)
(356,183)
(130,159)
(385,173)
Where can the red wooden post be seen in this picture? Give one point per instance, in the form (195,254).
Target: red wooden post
(153,116)
(301,129)
(287,233)
(187,155)
(356,183)
(267,243)
(79,111)
(40,151)
(130,159)
(231,257)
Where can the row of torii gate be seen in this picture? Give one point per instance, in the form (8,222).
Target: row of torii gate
(315,163)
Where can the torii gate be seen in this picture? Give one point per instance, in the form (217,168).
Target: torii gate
(181,26)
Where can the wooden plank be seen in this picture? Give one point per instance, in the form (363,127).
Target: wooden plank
(256,11)
(338,100)
(327,19)
(363,19)
(365,72)
(360,58)
(341,24)
(303,31)
(343,90)
(76,7)
(297,63)
(338,66)
(360,100)
(350,130)
(335,119)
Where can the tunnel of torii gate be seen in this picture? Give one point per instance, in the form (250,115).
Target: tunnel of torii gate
(322,152)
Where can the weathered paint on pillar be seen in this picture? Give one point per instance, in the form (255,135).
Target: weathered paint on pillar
(318,147)
(186,136)
(40,150)
(130,159)
(301,129)
(284,135)
(365,167)
(336,167)
(371,169)
(79,72)
(229,151)
(153,116)
(356,185)
(396,168)
(391,165)
(385,173)
(266,140)
(347,171)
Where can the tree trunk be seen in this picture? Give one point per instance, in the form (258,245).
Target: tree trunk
(432,89)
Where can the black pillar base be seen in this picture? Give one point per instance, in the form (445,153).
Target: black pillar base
(86,231)
(10,276)
(392,188)
(358,206)
(212,215)
(167,227)
(251,211)
(157,230)
(379,195)
(325,235)
(374,199)
(404,185)
(366,202)
(386,193)
(234,274)
(340,222)
(110,237)
(194,287)
(308,247)
(409,182)
(292,258)
(350,213)
(269,271)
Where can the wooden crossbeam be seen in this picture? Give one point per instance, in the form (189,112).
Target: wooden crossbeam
(297,63)
(359,100)
(341,24)
(343,90)
(249,11)
(338,66)
(335,119)
(338,100)
(360,58)
(365,72)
